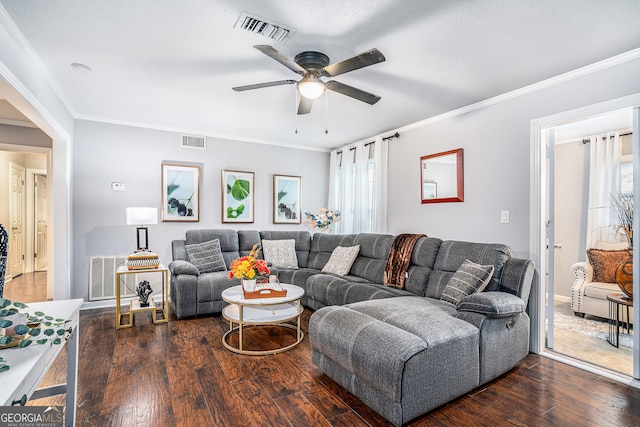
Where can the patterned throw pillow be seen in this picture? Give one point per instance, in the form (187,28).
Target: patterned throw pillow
(341,260)
(469,278)
(280,253)
(604,263)
(207,256)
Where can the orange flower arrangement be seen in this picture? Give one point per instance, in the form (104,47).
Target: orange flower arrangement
(249,266)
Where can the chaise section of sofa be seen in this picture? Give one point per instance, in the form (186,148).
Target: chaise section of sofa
(401,356)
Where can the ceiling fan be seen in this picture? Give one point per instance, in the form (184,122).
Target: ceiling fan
(312,66)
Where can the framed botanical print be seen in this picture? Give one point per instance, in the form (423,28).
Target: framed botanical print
(180,193)
(287,191)
(237,196)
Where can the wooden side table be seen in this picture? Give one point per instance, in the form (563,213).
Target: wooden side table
(618,303)
(159,305)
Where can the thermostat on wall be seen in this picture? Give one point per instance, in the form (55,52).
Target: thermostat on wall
(117,186)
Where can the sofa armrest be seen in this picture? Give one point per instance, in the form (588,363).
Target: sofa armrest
(583,275)
(492,304)
(183,267)
(582,272)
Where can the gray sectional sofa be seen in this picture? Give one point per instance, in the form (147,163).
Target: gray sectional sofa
(403,352)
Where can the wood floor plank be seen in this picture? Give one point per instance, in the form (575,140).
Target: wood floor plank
(258,404)
(300,412)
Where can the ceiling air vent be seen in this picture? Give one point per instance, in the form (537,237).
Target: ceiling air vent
(259,25)
(193,141)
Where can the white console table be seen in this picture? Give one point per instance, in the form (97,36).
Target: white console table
(29,364)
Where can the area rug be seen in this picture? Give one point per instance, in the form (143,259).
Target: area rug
(590,328)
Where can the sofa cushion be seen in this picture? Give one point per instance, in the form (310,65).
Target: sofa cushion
(372,259)
(604,263)
(600,290)
(280,253)
(468,279)
(322,246)
(302,239)
(206,256)
(452,254)
(229,241)
(341,260)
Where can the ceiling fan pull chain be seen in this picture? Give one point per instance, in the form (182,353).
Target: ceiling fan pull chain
(295,105)
(326,112)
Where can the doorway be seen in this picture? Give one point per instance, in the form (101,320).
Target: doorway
(26,217)
(547,246)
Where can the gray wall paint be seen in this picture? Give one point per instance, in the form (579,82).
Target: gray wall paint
(496,143)
(105,153)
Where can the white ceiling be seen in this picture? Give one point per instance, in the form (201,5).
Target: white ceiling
(171,64)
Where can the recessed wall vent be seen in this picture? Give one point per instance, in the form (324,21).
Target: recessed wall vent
(193,141)
(264,27)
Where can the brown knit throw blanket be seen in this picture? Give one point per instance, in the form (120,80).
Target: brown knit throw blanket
(399,259)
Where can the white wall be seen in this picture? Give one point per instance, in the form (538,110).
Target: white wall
(105,153)
(496,143)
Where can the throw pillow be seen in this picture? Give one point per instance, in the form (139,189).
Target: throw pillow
(280,253)
(469,278)
(604,263)
(341,260)
(207,256)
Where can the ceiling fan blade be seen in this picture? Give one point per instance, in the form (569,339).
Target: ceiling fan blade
(273,53)
(261,85)
(370,57)
(304,107)
(353,92)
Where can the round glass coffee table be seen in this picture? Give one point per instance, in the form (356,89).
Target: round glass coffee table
(260,312)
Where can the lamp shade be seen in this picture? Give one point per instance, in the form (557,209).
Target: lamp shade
(142,216)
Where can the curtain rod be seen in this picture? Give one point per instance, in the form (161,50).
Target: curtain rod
(586,141)
(386,138)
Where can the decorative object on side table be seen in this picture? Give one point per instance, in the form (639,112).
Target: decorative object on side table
(248,268)
(23,329)
(144,290)
(142,260)
(323,219)
(623,204)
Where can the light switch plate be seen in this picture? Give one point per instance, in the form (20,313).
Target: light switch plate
(504,217)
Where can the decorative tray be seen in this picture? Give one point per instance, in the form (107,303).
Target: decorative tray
(266,290)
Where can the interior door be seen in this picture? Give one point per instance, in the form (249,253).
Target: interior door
(40,218)
(551,243)
(16,218)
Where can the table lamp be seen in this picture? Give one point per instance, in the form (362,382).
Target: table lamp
(142,217)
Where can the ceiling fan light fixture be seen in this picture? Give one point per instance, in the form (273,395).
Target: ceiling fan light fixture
(311,87)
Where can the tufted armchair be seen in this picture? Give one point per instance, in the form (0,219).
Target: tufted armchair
(589,296)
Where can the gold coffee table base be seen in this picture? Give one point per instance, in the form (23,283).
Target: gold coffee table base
(260,352)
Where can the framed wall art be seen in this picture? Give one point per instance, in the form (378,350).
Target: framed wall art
(180,193)
(237,196)
(287,191)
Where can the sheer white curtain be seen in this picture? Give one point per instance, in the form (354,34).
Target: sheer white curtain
(604,182)
(358,186)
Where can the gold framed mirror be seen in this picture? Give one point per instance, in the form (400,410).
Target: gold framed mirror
(442,177)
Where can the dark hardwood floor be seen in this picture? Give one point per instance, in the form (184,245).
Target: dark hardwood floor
(179,374)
